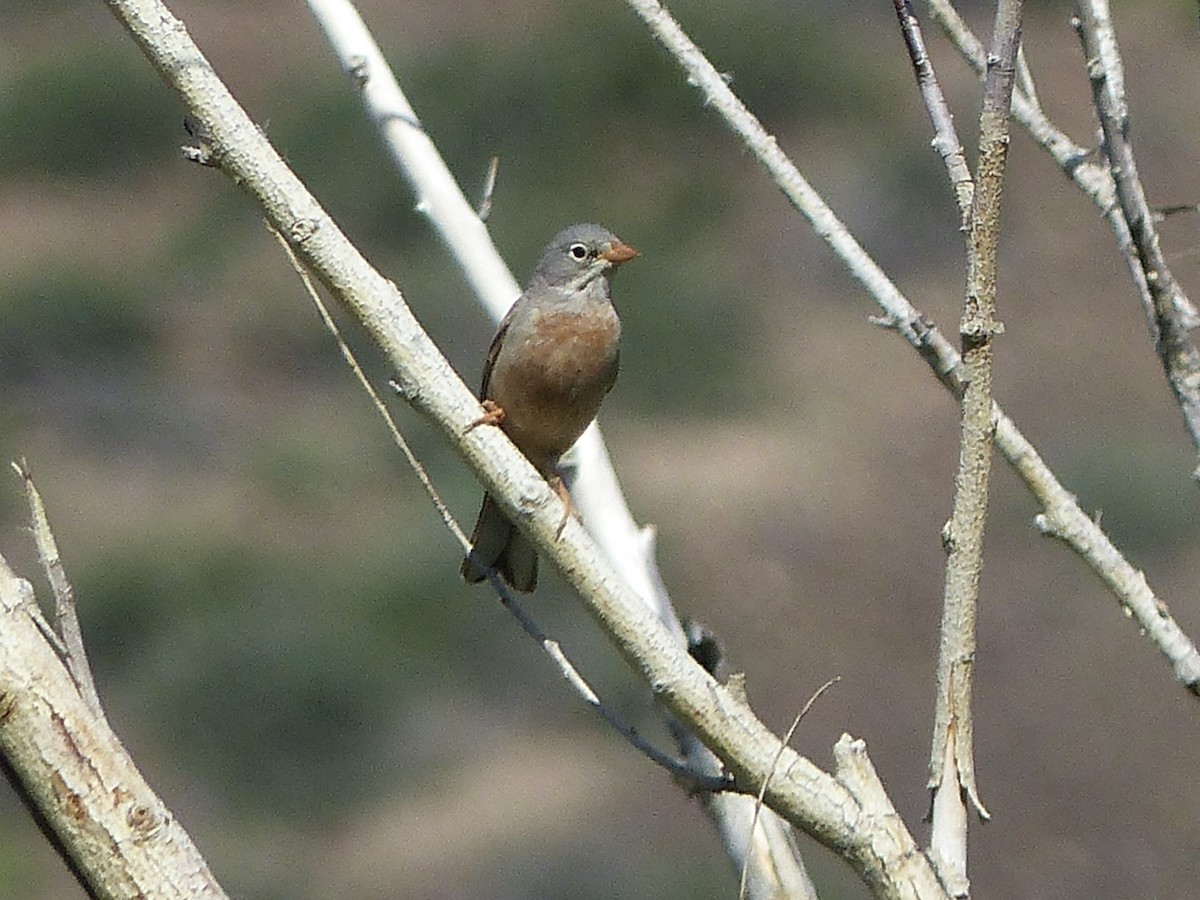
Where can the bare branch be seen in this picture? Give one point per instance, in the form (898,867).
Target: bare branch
(595,489)
(1064,520)
(64,594)
(876,845)
(948,815)
(892,850)
(117,836)
(945,138)
(1087,539)
(953,731)
(1172,313)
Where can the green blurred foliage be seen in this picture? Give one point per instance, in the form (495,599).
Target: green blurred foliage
(259,688)
(1137,485)
(283,666)
(76,117)
(281,677)
(69,319)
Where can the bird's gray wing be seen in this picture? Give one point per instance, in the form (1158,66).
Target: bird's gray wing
(494,351)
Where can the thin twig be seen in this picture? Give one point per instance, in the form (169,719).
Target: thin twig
(65,615)
(595,489)
(695,781)
(489,189)
(952,753)
(1076,527)
(1097,183)
(692,780)
(1178,354)
(787,739)
(945,138)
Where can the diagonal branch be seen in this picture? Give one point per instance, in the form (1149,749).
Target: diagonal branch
(952,762)
(771,853)
(1170,322)
(848,812)
(1097,182)
(1066,519)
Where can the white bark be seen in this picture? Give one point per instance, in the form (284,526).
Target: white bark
(119,837)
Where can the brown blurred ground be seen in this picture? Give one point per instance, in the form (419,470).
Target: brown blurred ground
(277,622)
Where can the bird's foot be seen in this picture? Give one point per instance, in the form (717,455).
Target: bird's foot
(493,414)
(560,488)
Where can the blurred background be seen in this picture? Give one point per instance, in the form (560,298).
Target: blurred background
(272,607)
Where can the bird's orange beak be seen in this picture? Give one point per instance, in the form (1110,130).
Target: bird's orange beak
(618,252)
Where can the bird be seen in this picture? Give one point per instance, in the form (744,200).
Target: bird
(553,360)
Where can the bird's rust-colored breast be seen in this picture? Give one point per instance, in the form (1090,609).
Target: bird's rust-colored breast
(550,384)
(573,351)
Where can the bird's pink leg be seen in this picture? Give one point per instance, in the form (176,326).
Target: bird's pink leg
(564,495)
(493,414)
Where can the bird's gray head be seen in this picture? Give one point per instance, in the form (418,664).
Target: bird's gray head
(577,255)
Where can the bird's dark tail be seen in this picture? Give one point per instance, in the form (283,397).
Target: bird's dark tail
(497,544)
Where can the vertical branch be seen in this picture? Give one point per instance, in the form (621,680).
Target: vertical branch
(1113,186)
(948,849)
(416,156)
(952,765)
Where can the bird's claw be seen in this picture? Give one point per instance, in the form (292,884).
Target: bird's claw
(493,414)
(564,495)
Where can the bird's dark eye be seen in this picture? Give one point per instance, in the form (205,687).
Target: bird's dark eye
(578,251)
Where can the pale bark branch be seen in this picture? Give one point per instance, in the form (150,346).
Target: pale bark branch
(876,845)
(953,752)
(115,834)
(1072,524)
(65,615)
(1172,314)
(595,489)
(945,137)
(1163,301)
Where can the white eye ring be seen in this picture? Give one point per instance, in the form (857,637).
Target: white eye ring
(578,251)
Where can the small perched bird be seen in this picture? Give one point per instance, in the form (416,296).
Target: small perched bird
(550,364)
